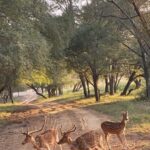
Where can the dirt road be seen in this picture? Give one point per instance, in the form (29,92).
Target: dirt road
(61,114)
(26,96)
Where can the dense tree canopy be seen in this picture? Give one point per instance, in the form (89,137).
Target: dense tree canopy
(41,42)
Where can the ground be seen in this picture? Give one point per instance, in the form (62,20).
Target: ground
(65,114)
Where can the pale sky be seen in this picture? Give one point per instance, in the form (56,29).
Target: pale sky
(80,4)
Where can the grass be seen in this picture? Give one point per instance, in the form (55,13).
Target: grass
(7,109)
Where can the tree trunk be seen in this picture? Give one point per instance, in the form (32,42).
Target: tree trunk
(49,91)
(96,90)
(77,87)
(88,87)
(60,89)
(74,87)
(10,94)
(115,88)
(147,80)
(53,91)
(83,85)
(42,89)
(131,78)
(115,82)
(111,83)
(146,73)
(106,84)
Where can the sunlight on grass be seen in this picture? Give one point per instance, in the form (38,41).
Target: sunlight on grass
(6,111)
(141,128)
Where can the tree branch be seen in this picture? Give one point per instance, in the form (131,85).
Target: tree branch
(134,51)
(119,17)
(34,88)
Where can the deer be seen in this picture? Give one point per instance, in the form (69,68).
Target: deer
(45,139)
(117,128)
(88,141)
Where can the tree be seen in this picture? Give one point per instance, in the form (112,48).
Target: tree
(88,49)
(21,43)
(134,15)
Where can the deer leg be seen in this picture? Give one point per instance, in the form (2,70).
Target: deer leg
(119,137)
(106,138)
(99,147)
(54,147)
(101,144)
(125,140)
(60,147)
(48,147)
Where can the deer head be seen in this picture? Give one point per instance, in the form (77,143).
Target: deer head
(66,135)
(29,134)
(125,116)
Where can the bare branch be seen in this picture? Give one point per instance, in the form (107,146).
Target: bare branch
(134,51)
(34,88)
(119,17)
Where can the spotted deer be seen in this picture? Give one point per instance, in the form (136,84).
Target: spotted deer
(117,128)
(46,139)
(91,140)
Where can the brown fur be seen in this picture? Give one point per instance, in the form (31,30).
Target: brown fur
(44,140)
(88,141)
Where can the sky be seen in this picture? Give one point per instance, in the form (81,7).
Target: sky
(80,4)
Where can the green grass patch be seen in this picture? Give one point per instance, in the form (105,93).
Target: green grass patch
(7,109)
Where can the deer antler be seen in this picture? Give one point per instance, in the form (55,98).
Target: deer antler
(61,130)
(72,129)
(38,130)
(69,131)
(25,133)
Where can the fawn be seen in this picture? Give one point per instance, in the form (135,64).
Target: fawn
(117,128)
(89,141)
(44,140)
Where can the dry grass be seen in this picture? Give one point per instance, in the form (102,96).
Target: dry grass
(6,110)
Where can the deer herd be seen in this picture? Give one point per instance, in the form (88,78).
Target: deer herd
(91,140)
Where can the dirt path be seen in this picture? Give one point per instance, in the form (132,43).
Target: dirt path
(26,96)
(65,114)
